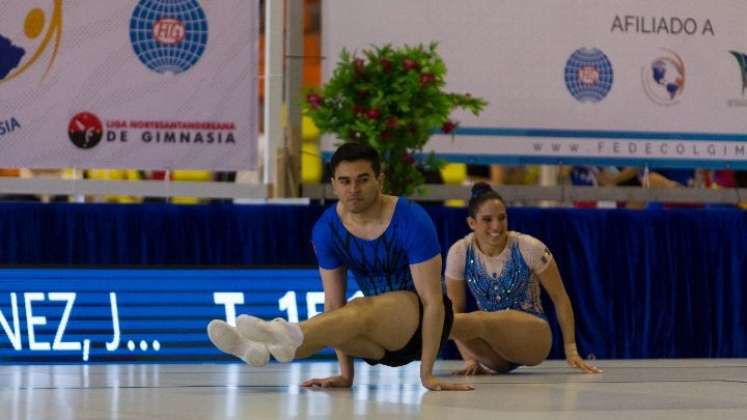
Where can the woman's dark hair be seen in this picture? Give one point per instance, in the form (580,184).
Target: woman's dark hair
(482,192)
(350,152)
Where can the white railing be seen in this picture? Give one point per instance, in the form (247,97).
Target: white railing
(44,186)
(566,194)
(253,191)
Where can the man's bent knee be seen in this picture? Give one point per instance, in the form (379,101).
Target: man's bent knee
(390,319)
(363,312)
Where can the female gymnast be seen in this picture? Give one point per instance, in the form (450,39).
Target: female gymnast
(504,271)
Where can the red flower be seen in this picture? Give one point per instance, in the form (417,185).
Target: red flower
(392,123)
(408,159)
(314,100)
(386,64)
(373,114)
(410,64)
(449,126)
(426,79)
(359,65)
(358,110)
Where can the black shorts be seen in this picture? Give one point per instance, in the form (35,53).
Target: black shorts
(632,182)
(413,349)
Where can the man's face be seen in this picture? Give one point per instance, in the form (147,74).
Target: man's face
(356,185)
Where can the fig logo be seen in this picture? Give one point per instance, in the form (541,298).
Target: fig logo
(169,36)
(589,75)
(168,31)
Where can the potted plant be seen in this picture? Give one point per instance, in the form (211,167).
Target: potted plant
(394,100)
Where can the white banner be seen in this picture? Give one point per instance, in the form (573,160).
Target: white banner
(579,81)
(151,84)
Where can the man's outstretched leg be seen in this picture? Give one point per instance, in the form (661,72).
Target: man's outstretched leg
(365,327)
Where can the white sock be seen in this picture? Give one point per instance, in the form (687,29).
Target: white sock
(227,339)
(256,354)
(290,338)
(281,337)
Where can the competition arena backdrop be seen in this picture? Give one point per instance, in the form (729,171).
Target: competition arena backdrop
(639,82)
(644,284)
(148,84)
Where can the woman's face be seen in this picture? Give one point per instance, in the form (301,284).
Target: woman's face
(490,223)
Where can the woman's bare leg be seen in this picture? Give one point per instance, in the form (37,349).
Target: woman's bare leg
(479,350)
(512,336)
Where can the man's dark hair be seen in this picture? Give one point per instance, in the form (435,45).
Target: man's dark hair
(350,152)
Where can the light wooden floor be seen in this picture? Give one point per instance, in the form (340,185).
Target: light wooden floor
(639,390)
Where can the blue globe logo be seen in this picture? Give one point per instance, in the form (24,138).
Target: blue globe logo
(588,75)
(664,79)
(169,36)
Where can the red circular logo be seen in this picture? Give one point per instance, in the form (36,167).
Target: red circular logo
(588,75)
(168,31)
(85,130)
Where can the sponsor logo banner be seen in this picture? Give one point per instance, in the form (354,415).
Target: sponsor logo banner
(658,82)
(148,84)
